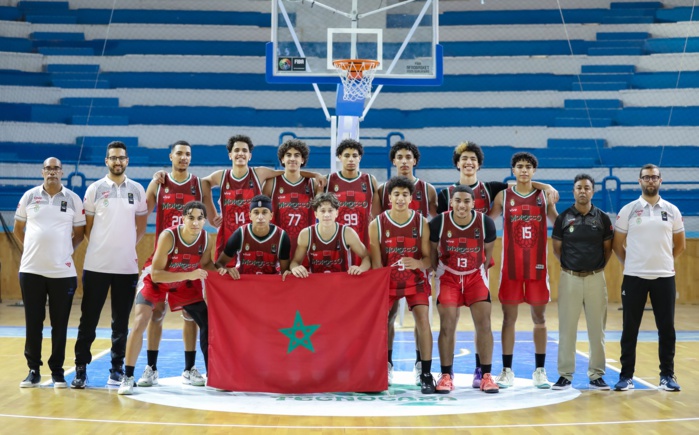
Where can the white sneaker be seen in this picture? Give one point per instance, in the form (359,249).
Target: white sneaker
(417,371)
(506,378)
(390,373)
(148,378)
(540,380)
(126,387)
(193,377)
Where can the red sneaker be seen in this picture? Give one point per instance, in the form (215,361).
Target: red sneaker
(445,384)
(488,384)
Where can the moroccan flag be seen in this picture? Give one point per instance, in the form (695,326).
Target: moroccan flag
(324,333)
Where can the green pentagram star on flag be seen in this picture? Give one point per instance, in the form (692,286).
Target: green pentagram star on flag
(293,333)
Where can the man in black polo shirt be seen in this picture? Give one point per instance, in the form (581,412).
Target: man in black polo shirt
(582,241)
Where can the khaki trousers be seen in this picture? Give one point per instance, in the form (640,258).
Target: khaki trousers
(574,294)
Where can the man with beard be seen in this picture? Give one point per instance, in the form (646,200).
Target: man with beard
(116,214)
(649,237)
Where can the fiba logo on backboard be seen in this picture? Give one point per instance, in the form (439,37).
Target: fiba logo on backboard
(291,64)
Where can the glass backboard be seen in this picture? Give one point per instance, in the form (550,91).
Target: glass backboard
(308,35)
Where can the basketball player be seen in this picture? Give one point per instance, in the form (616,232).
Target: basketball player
(179,265)
(462,243)
(524,275)
(258,247)
(238,185)
(400,239)
(178,188)
(405,156)
(355,190)
(327,244)
(468,159)
(291,192)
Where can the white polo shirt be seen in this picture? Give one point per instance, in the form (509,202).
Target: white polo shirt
(48,236)
(649,230)
(112,241)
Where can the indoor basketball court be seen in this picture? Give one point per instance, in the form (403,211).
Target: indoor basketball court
(348,55)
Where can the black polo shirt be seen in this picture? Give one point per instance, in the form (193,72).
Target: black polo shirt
(582,237)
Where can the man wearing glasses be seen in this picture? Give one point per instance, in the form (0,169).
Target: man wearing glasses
(49,224)
(649,236)
(116,215)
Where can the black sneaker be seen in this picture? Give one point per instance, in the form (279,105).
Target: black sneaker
(80,380)
(59,381)
(562,384)
(115,376)
(32,380)
(427,384)
(599,384)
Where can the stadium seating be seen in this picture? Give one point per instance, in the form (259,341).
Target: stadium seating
(607,80)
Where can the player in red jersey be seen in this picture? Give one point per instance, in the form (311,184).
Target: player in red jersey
(238,186)
(259,247)
(523,276)
(356,191)
(327,244)
(179,265)
(400,239)
(291,192)
(462,243)
(405,156)
(468,158)
(169,197)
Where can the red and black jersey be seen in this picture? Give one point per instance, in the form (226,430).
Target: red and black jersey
(292,206)
(524,235)
(420,202)
(171,198)
(356,198)
(182,257)
(482,199)
(397,241)
(461,249)
(259,256)
(236,194)
(325,256)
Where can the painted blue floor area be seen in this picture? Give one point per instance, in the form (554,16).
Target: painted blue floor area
(171,355)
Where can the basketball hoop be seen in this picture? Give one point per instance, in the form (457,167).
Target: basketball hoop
(356,76)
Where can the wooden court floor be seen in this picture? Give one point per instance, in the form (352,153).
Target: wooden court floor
(102,411)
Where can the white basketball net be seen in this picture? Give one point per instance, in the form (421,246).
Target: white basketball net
(356,76)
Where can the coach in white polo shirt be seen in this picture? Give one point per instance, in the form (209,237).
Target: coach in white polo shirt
(649,236)
(117,214)
(50,223)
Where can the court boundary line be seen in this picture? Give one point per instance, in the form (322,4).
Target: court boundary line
(259,426)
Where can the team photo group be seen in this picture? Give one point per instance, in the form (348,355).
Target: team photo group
(295,223)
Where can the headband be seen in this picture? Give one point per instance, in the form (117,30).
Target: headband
(261,203)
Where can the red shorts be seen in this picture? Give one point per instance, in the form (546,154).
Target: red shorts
(187,292)
(531,291)
(458,290)
(412,300)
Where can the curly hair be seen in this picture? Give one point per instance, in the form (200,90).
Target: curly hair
(349,144)
(399,181)
(239,138)
(527,157)
(405,145)
(296,144)
(468,146)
